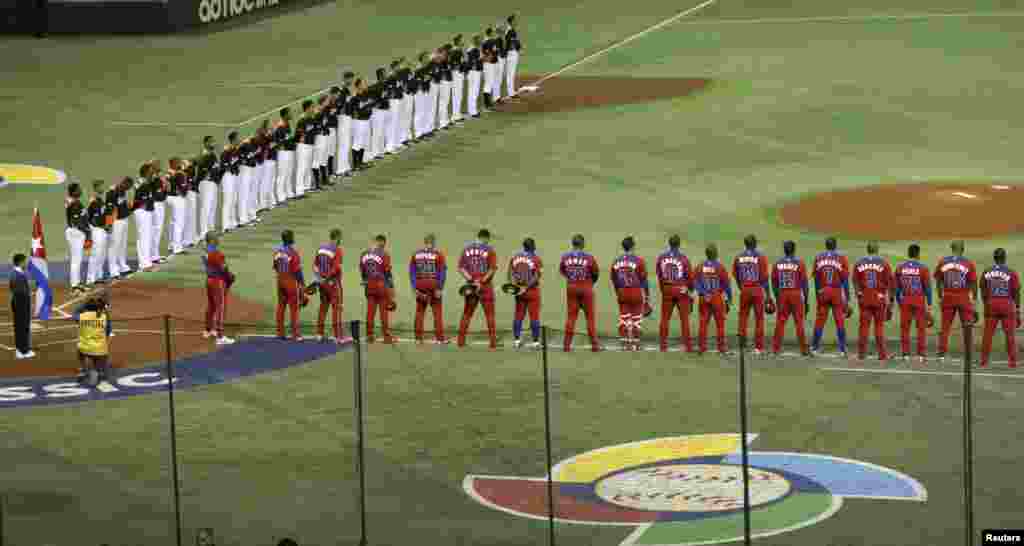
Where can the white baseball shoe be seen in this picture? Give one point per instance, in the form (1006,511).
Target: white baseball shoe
(535,345)
(223,340)
(517,343)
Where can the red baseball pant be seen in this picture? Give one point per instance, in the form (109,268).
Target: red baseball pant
(791,304)
(288,296)
(330,303)
(713,307)
(529,301)
(378,300)
(913,312)
(631,312)
(752,299)
(949,312)
(216,301)
(831,300)
(669,304)
(487,299)
(868,315)
(1000,312)
(575,297)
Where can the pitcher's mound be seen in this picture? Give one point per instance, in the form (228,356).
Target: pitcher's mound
(913,211)
(563,93)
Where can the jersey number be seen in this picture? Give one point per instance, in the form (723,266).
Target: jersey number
(749,273)
(954,279)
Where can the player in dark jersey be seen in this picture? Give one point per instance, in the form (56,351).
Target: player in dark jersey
(98,215)
(513,46)
(1000,291)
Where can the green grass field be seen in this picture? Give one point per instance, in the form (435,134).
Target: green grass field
(808,96)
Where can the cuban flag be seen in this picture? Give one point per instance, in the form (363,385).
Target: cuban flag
(39,271)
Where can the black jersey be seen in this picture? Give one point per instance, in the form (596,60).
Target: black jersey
(474,59)
(143,198)
(364,109)
(457,58)
(230,161)
(447,69)
(204,166)
(75,215)
(179,184)
(500,47)
(281,139)
(98,211)
(489,49)
(512,40)
(436,73)
(305,130)
(192,176)
(396,88)
(119,199)
(160,189)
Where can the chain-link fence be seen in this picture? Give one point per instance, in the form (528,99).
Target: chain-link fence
(371,436)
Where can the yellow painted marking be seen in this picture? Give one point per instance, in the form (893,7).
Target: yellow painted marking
(14,173)
(594,464)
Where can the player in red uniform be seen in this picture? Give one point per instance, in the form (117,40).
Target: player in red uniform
(525,269)
(478,264)
(581,272)
(375,269)
(832,290)
(218,280)
(290,283)
(1000,291)
(629,279)
(427,272)
(872,282)
(750,269)
(713,285)
(914,295)
(956,281)
(675,276)
(789,283)
(327,266)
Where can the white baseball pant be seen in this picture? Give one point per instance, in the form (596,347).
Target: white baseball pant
(419,122)
(332,147)
(178,212)
(159,211)
(360,134)
(375,134)
(489,70)
(228,205)
(405,132)
(143,237)
(319,151)
(473,93)
(269,181)
(121,245)
(444,101)
(99,254)
(117,232)
(254,191)
(242,195)
(191,216)
(458,88)
(285,175)
(76,249)
(303,168)
(207,207)
(512,64)
(499,77)
(432,106)
(394,125)
(343,163)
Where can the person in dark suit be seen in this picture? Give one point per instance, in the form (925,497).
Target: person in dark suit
(21,305)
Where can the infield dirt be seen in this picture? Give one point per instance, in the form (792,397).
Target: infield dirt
(565,93)
(137,310)
(912,212)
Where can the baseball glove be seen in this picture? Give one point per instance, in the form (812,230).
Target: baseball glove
(512,289)
(422,296)
(468,290)
(849,311)
(648,310)
(312,288)
(769,307)
(391,306)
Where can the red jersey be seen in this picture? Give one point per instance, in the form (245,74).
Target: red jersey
(712,279)
(478,259)
(750,269)
(831,270)
(525,268)
(790,273)
(287,263)
(375,268)
(673,269)
(629,271)
(913,282)
(872,278)
(327,262)
(957,273)
(428,264)
(579,268)
(999,282)
(215,264)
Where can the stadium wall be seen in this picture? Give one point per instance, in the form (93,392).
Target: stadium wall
(141,16)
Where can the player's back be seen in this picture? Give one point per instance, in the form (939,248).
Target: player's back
(673,267)
(831,269)
(578,267)
(525,267)
(477,259)
(628,271)
(790,273)
(286,261)
(328,260)
(427,263)
(956,274)
(711,277)
(1000,282)
(873,276)
(912,279)
(750,268)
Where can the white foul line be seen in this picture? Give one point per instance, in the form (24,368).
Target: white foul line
(272,110)
(170,124)
(668,21)
(916,372)
(856,18)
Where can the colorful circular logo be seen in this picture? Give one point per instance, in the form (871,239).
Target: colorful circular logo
(14,173)
(688,490)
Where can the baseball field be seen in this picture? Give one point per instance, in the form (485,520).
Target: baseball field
(896,121)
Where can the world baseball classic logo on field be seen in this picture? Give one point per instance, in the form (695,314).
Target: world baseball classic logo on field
(688,490)
(214,10)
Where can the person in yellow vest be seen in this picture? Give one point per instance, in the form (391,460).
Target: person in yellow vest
(93,340)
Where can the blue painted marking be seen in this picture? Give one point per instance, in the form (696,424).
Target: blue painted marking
(840,477)
(249,356)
